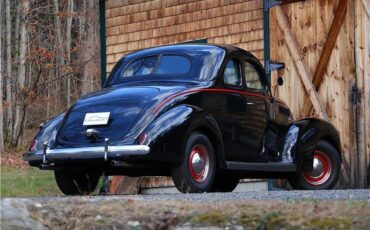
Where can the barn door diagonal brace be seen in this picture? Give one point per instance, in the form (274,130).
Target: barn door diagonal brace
(318,77)
(298,60)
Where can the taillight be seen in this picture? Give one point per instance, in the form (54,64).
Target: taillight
(33,145)
(143,138)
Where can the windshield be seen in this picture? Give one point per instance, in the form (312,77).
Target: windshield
(192,65)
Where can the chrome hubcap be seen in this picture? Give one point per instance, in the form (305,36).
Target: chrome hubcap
(321,171)
(199,163)
(318,168)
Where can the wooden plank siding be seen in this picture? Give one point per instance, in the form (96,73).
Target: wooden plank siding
(138,24)
(310,22)
(362,48)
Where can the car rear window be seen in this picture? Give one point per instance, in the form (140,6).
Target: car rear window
(168,64)
(143,66)
(173,64)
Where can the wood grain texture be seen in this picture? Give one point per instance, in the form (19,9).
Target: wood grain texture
(329,44)
(310,22)
(327,50)
(301,67)
(362,47)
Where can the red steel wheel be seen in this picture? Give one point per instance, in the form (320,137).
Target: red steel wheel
(197,171)
(325,171)
(199,163)
(322,169)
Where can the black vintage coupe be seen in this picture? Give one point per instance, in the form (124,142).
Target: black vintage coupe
(203,114)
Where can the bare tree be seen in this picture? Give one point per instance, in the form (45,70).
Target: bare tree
(68,47)
(21,79)
(60,56)
(49,57)
(9,101)
(88,44)
(1,81)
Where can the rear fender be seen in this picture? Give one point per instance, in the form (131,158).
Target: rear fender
(167,134)
(47,133)
(311,130)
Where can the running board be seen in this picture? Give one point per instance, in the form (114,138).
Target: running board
(261,167)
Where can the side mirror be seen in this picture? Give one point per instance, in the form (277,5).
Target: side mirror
(280,81)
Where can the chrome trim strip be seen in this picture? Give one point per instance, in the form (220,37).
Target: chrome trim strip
(88,152)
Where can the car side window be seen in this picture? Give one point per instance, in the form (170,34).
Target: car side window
(232,75)
(252,77)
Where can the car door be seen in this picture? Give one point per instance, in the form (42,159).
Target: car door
(257,97)
(234,113)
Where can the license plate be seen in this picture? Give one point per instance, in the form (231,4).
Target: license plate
(96,118)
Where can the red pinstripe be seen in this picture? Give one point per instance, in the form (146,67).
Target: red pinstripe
(207,90)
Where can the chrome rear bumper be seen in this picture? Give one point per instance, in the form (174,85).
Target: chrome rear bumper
(101,152)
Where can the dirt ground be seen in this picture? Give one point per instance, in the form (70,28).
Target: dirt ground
(127,212)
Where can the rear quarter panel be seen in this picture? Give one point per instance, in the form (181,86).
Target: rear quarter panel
(168,133)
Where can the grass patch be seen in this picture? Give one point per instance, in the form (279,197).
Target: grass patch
(329,223)
(15,182)
(30,181)
(213,218)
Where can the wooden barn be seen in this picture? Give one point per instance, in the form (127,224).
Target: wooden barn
(325,45)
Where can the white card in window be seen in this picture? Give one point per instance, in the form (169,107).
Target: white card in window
(96,118)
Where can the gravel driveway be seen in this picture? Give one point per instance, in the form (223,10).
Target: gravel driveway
(336,209)
(360,194)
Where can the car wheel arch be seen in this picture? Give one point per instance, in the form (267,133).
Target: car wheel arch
(321,131)
(332,141)
(217,144)
(203,122)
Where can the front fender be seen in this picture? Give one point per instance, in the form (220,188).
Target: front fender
(47,133)
(168,133)
(311,131)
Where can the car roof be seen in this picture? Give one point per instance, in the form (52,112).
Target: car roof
(185,47)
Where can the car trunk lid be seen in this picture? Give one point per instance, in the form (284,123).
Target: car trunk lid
(123,105)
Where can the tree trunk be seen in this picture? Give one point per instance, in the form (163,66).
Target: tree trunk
(9,101)
(22,97)
(59,33)
(89,51)
(1,82)
(15,45)
(48,97)
(68,48)
(60,61)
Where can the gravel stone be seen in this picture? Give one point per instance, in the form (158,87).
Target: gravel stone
(359,194)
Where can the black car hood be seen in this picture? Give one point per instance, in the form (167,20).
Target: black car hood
(126,104)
